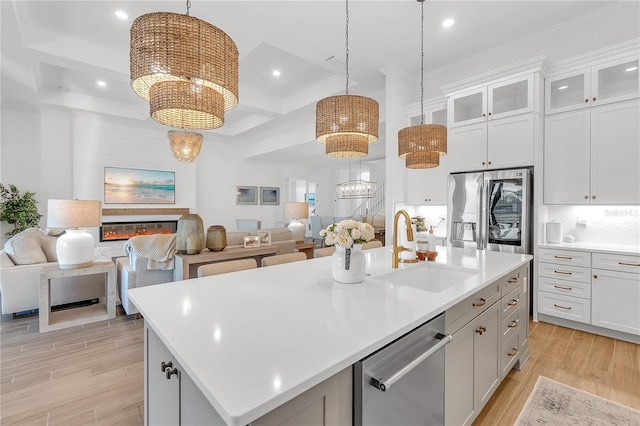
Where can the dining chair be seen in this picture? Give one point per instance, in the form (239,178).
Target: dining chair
(283,258)
(224,267)
(322,252)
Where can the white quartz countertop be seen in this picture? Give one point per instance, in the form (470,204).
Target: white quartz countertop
(253,340)
(595,247)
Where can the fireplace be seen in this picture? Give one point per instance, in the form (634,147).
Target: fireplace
(117,231)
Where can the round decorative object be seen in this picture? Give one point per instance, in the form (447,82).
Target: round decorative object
(190,234)
(348,264)
(216,238)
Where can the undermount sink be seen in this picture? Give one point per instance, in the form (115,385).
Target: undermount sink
(430,277)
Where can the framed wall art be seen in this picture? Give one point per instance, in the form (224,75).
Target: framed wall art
(246,195)
(139,186)
(269,195)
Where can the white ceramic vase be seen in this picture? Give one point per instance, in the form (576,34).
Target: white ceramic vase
(348,264)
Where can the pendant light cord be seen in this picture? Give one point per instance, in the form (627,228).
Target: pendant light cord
(421,61)
(346,43)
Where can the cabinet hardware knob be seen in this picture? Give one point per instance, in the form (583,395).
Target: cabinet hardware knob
(594,98)
(563,257)
(586,100)
(628,264)
(484,115)
(595,276)
(489,162)
(512,280)
(514,353)
(483,163)
(514,302)
(170,372)
(562,307)
(563,288)
(586,197)
(514,324)
(593,197)
(489,113)
(562,272)
(480,330)
(481,303)
(165,365)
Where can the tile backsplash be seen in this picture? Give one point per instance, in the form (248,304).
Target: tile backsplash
(599,224)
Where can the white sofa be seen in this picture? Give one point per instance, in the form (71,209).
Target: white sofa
(22,259)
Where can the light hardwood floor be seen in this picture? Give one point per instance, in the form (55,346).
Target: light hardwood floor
(93,374)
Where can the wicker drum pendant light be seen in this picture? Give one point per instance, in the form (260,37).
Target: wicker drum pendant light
(421,146)
(347,124)
(185,145)
(185,67)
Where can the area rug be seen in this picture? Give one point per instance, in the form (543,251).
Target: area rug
(553,403)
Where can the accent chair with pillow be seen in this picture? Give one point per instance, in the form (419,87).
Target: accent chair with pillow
(149,261)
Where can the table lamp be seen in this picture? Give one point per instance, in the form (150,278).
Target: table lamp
(295,211)
(75,248)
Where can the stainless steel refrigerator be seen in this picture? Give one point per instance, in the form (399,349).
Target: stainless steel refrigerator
(491,210)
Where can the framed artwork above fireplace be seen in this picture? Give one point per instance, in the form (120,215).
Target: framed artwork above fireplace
(139,186)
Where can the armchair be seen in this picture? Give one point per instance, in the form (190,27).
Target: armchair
(149,261)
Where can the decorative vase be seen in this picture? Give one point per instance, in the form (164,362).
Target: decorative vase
(216,238)
(348,264)
(190,234)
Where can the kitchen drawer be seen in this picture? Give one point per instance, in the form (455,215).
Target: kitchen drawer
(565,257)
(557,305)
(513,323)
(516,278)
(513,301)
(617,262)
(568,288)
(459,315)
(565,272)
(510,352)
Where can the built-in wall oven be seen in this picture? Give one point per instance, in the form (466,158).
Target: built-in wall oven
(403,383)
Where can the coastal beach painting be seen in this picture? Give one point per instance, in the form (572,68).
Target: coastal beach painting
(138,186)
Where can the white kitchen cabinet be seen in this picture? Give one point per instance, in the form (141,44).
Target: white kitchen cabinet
(428,186)
(499,99)
(591,156)
(616,292)
(499,143)
(600,84)
(435,113)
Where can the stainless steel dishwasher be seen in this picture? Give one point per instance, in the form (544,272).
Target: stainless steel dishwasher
(403,383)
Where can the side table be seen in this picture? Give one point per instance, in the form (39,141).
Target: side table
(76,316)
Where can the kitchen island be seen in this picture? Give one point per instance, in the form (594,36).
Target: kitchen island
(253,340)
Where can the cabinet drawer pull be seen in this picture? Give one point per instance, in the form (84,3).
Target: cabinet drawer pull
(514,324)
(482,329)
(481,303)
(514,353)
(628,264)
(514,302)
(512,280)
(165,365)
(563,288)
(563,257)
(562,272)
(562,307)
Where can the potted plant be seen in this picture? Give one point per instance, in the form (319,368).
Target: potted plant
(17,209)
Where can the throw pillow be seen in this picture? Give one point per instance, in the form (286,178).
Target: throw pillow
(25,248)
(48,244)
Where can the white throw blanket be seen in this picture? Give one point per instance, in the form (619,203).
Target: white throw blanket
(160,249)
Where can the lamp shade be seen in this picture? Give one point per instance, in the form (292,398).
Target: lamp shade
(75,248)
(296,210)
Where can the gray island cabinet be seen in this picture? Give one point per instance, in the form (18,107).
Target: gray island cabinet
(276,345)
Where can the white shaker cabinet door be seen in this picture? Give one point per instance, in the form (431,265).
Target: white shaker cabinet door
(467,146)
(510,142)
(615,154)
(614,301)
(566,158)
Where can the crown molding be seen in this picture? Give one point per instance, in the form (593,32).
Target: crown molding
(625,48)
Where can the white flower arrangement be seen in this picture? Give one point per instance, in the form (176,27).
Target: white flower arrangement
(347,233)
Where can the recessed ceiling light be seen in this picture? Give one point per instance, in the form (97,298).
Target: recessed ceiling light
(276,73)
(448,22)
(101,83)
(631,69)
(120,14)
(563,87)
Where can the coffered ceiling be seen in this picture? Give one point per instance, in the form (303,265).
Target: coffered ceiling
(53,52)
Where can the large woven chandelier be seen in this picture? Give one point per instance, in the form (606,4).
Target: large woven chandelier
(185,67)
(421,146)
(347,124)
(185,145)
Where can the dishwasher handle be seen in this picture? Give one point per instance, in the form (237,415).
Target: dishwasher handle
(383,384)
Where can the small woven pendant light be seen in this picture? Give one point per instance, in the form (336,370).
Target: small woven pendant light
(185,145)
(347,124)
(421,146)
(185,67)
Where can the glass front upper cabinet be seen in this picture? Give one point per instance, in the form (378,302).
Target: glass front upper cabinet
(436,115)
(598,85)
(497,100)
